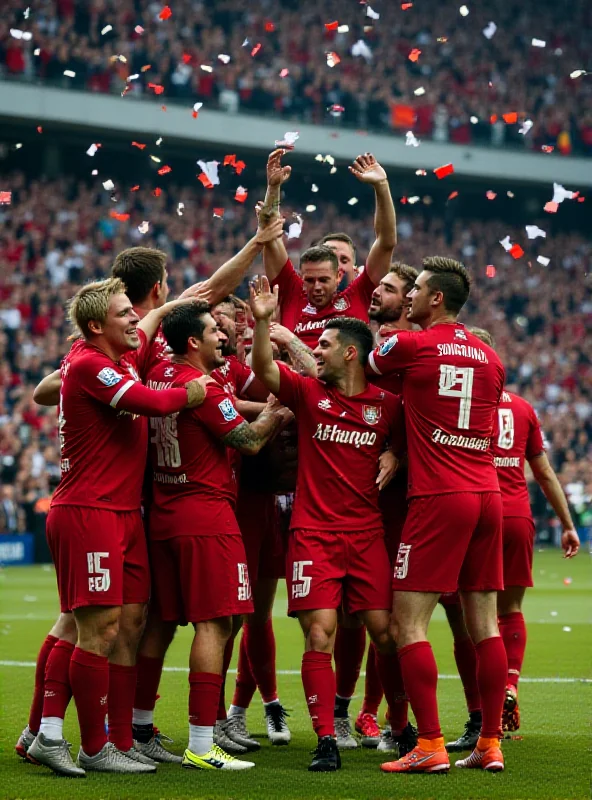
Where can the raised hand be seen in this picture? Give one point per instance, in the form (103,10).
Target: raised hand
(263,301)
(276,173)
(367,169)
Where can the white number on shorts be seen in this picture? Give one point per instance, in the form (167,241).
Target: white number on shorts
(244,584)
(505,440)
(164,436)
(458,382)
(402,562)
(300,582)
(99,578)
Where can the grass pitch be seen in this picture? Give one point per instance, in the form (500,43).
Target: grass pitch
(551,761)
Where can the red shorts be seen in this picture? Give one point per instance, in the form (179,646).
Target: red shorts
(450,542)
(100,556)
(518,546)
(329,569)
(198,578)
(257,518)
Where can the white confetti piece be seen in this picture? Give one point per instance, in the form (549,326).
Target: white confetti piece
(92,150)
(159,141)
(289,140)
(533,231)
(352,201)
(144,226)
(474,120)
(543,260)
(413,200)
(106,29)
(211,170)
(525,127)
(16,33)
(506,244)
(419,91)
(420,172)
(332,59)
(566,629)
(156,158)
(223,58)
(108,185)
(489,30)
(370,12)
(360,48)
(553,613)
(69,73)
(180,209)
(26,12)
(343,29)
(139,30)
(134,77)
(311,208)
(314,188)
(463,11)
(410,140)
(37,51)
(330,160)
(206,67)
(560,193)
(577,73)
(319,157)
(18,146)
(245,43)
(295,228)
(333,170)
(95,172)
(539,43)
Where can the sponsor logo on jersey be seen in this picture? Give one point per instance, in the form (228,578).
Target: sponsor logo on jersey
(506,461)
(464,350)
(325,404)
(229,412)
(341,304)
(387,346)
(460,334)
(371,414)
(333,433)
(109,377)
(452,440)
(311,325)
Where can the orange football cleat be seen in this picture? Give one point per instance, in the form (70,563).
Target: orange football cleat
(431,757)
(489,758)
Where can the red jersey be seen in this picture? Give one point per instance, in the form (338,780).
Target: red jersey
(340,440)
(393,381)
(153,354)
(194,484)
(452,384)
(305,320)
(517,437)
(234,376)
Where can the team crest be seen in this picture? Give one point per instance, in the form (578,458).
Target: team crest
(169,372)
(371,414)
(341,304)
(325,404)
(460,334)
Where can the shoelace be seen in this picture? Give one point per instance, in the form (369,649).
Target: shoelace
(220,754)
(278,716)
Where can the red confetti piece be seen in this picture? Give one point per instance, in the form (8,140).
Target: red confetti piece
(333,59)
(493,119)
(442,172)
(547,148)
(239,167)
(157,192)
(229,159)
(284,72)
(404,200)
(137,144)
(186,58)
(166,13)
(146,67)
(120,217)
(452,195)
(516,251)
(510,118)
(256,49)
(490,271)
(269,27)
(551,207)
(335,109)
(405,6)
(332,26)
(194,114)
(5,198)
(163,108)
(219,212)
(158,89)
(241,196)
(490,195)
(203,178)
(39,129)
(164,170)
(135,188)
(581,199)
(414,54)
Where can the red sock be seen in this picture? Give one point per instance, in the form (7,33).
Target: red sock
(420,677)
(391,680)
(37,702)
(120,708)
(513,632)
(147,682)
(89,679)
(204,695)
(350,644)
(492,669)
(246,685)
(466,663)
(318,680)
(372,685)
(57,680)
(225,664)
(260,645)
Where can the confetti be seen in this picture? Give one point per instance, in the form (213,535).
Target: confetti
(269,27)
(92,149)
(180,209)
(543,260)
(413,200)
(133,77)
(371,13)
(289,140)
(118,216)
(139,30)
(414,54)
(186,58)
(314,188)
(295,228)
(490,195)
(547,148)
(490,271)
(241,194)
(106,29)
(516,251)
(510,118)
(343,29)
(5,198)
(525,127)
(219,213)
(489,30)
(196,107)
(108,185)
(452,195)
(352,201)
(551,207)
(210,168)
(164,170)
(577,73)
(419,91)
(474,120)
(421,172)
(146,67)
(256,49)
(405,6)
(493,119)
(39,129)
(333,170)
(538,43)
(442,172)
(229,160)
(139,145)
(205,180)
(206,67)
(566,629)
(166,13)
(332,59)
(158,89)
(533,232)
(506,244)
(157,192)
(19,145)
(360,48)
(26,12)
(37,51)
(463,11)
(336,110)
(332,26)
(560,193)
(410,140)
(144,227)
(567,582)
(156,158)
(18,34)
(223,58)
(135,188)
(310,209)
(239,167)
(330,160)
(510,194)
(284,72)
(69,73)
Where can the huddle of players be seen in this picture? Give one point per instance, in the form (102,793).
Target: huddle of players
(344,532)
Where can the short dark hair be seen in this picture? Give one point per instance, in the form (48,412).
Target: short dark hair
(319,253)
(340,237)
(407,274)
(353,331)
(451,278)
(184,322)
(139,268)
(484,335)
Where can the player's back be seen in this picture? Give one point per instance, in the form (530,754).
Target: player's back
(517,438)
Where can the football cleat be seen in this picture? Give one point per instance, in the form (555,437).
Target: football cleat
(235,727)
(419,760)
(215,758)
(110,759)
(223,740)
(407,740)
(368,729)
(156,751)
(387,741)
(491,759)
(343,732)
(326,756)
(511,712)
(25,741)
(55,754)
(466,741)
(278,732)
(138,756)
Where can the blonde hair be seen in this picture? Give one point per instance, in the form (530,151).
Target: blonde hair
(92,303)
(484,335)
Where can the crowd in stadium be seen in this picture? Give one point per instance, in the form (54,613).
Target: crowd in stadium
(273,59)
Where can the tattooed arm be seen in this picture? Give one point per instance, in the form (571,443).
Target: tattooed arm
(301,355)
(274,254)
(249,437)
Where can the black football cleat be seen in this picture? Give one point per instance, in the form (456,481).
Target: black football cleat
(326,757)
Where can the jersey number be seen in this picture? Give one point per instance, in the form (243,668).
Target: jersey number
(164,436)
(300,582)
(458,382)
(99,578)
(505,440)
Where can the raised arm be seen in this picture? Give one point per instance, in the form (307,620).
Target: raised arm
(367,170)
(263,305)
(300,355)
(275,254)
(547,479)
(47,391)
(151,322)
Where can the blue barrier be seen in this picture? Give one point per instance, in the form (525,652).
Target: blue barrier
(17,549)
